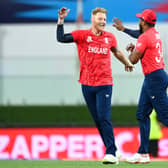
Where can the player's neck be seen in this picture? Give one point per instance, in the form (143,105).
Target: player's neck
(146,28)
(96,32)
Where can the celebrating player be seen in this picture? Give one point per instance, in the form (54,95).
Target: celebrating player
(94,46)
(155,125)
(153,93)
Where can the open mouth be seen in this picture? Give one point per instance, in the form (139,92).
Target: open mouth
(102,25)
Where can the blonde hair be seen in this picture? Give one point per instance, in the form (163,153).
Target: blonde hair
(97,10)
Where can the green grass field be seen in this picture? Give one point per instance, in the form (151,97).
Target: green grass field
(75,164)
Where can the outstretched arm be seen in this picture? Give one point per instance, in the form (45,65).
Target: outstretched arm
(61,37)
(119,26)
(133,33)
(120,56)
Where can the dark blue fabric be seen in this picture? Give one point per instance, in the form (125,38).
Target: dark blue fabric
(133,33)
(98,100)
(61,37)
(153,95)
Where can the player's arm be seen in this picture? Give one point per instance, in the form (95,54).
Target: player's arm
(133,33)
(120,56)
(137,53)
(119,26)
(135,56)
(61,37)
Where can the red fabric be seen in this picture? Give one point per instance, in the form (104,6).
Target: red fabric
(148,15)
(94,56)
(149,43)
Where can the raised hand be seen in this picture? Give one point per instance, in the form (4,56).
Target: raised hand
(63,12)
(118,24)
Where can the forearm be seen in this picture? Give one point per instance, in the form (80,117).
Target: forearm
(132,58)
(120,56)
(133,33)
(60,21)
(61,37)
(135,56)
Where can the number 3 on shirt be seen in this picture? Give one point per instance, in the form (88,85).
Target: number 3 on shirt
(159,57)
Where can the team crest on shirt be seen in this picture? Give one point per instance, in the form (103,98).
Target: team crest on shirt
(89,39)
(106,40)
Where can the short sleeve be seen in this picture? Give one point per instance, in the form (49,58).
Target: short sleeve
(141,44)
(113,42)
(77,35)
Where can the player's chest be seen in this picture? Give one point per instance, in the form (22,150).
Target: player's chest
(97,40)
(97,45)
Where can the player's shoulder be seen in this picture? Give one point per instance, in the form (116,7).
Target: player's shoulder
(81,31)
(143,36)
(149,34)
(108,34)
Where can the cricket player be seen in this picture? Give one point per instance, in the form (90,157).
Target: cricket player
(155,125)
(153,93)
(94,47)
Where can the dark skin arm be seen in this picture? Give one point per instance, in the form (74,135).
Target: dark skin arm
(135,56)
